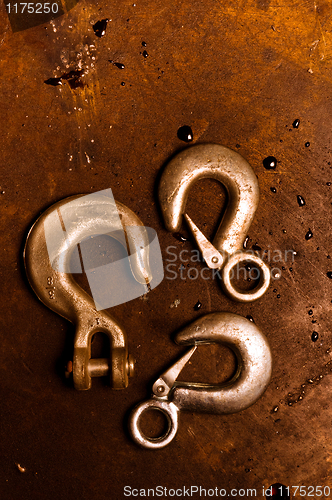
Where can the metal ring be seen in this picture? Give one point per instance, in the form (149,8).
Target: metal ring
(250,295)
(165,407)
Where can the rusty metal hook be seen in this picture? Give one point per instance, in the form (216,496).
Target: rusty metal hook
(48,257)
(235,173)
(254,368)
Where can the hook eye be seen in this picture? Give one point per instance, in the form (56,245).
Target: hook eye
(171,413)
(264,277)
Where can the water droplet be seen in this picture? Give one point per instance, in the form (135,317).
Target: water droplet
(296,123)
(273,190)
(329,275)
(185,133)
(314,336)
(53,81)
(179,237)
(309,235)
(275,290)
(300,200)
(278,296)
(270,163)
(198,305)
(123,84)
(143,44)
(310,312)
(250,318)
(307,144)
(145,54)
(245,243)
(100,27)
(118,65)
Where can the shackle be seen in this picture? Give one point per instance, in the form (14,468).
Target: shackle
(49,259)
(252,376)
(226,250)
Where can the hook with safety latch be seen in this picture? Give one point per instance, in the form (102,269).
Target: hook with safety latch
(226,251)
(253,373)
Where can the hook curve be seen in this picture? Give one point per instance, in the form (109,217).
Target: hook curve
(254,364)
(228,167)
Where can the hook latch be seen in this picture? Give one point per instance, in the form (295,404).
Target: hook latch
(165,383)
(213,258)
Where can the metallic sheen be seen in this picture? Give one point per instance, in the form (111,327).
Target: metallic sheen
(254,368)
(58,290)
(235,173)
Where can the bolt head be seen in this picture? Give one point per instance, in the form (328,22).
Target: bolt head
(69,369)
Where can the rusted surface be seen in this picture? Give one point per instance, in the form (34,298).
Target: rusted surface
(238,75)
